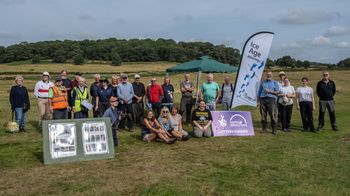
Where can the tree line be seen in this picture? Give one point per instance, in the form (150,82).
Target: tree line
(117,51)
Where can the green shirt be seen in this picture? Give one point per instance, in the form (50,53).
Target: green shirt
(210,91)
(51,91)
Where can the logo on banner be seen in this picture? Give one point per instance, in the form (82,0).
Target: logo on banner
(238,120)
(232,123)
(247,78)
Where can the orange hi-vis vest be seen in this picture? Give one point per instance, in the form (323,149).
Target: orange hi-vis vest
(59,99)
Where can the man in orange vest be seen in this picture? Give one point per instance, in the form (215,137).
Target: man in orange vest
(58,100)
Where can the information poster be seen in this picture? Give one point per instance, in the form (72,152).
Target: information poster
(62,138)
(94,138)
(72,140)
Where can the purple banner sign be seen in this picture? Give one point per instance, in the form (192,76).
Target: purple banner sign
(232,123)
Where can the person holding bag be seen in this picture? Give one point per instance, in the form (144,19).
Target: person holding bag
(19,100)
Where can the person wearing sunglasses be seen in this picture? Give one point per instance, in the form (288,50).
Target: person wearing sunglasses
(325,90)
(151,130)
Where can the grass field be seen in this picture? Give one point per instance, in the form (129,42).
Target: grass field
(293,163)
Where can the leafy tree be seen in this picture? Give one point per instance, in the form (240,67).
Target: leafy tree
(116,60)
(306,64)
(270,63)
(36,59)
(286,61)
(78,59)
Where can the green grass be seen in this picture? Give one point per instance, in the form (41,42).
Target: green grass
(293,163)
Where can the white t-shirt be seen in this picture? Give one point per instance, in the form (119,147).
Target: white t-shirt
(288,90)
(304,93)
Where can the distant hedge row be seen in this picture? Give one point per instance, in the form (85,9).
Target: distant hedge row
(117,51)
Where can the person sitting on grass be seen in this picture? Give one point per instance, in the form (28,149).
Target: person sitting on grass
(113,113)
(176,121)
(151,130)
(165,122)
(202,120)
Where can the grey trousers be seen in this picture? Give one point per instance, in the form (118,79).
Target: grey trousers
(329,105)
(268,106)
(199,133)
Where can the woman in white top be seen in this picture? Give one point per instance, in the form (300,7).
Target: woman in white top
(285,100)
(306,104)
(176,120)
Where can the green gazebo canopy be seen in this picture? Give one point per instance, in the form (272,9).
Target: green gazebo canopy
(203,64)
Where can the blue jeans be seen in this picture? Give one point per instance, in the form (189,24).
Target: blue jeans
(20,117)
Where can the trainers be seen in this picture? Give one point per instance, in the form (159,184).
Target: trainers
(185,137)
(171,141)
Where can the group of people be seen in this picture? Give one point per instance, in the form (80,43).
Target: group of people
(276,100)
(124,103)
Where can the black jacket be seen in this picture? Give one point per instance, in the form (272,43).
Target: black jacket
(326,91)
(19,97)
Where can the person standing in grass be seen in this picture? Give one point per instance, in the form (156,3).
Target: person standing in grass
(306,104)
(137,100)
(186,88)
(282,75)
(286,95)
(202,120)
(41,92)
(93,92)
(267,99)
(125,95)
(66,82)
(168,98)
(19,100)
(210,92)
(104,93)
(114,84)
(155,94)
(58,100)
(151,130)
(326,90)
(113,113)
(226,93)
(80,93)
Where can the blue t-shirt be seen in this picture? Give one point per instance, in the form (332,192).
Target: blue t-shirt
(210,90)
(268,85)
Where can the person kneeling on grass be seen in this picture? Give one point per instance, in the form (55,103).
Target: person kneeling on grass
(176,121)
(166,123)
(151,130)
(113,113)
(202,120)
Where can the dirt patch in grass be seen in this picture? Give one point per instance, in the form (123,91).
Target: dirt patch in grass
(346,138)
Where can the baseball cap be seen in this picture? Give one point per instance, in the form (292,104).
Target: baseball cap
(113,99)
(137,76)
(124,76)
(59,78)
(282,73)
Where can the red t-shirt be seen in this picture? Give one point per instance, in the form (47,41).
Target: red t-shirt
(154,93)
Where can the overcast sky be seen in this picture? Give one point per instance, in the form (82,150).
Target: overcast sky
(305,29)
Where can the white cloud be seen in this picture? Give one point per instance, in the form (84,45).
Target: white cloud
(287,46)
(302,17)
(320,41)
(337,31)
(342,44)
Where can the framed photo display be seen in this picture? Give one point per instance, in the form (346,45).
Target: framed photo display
(77,140)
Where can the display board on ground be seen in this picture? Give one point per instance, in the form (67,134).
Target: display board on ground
(77,140)
(232,123)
